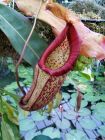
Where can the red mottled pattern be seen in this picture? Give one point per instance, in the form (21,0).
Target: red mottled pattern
(49,91)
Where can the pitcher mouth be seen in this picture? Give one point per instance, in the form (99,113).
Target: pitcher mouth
(74,46)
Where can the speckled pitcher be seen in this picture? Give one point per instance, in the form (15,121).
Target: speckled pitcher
(50,72)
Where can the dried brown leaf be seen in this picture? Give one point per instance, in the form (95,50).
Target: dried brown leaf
(79,100)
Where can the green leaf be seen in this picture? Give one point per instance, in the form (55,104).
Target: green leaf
(66,83)
(91,97)
(84,112)
(9,110)
(7,133)
(65,96)
(82,74)
(36,116)
(102,97)
(100,107)
(13,95)
(101,131)
(99,116)
(73,102)
(87,124)
(51,132)
(17,28)
(61,124)
(98,110)
(14,127)
(42,137)
(7,80)
(26,124)
(0,134)
(1,110)
(76,135)
(31,134)
(72,114)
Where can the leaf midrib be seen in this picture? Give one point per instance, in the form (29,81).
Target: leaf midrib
(19,35)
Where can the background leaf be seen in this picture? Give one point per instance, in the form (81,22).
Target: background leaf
(7,133)
(14,128)
(10,112)
(13,95)
(17,28)
(85,75)
(42,137)
(51,132)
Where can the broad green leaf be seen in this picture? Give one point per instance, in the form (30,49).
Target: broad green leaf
(98,111)
(0,136)
(51,132)
(65,96)
(17,28)
(72,114)
(61,124)
(26,124)
(102,97)
(73,102)
(91,97)
(76,135)
(14,127)
(32,134)
(36,116)
(1,110)
(42,137)
(7,133)
(66,83)
(9,110)
(87,124)
(84,112)
(100,116)
(11,87)
(101,131)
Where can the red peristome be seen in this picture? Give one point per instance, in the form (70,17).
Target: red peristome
(74,44)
